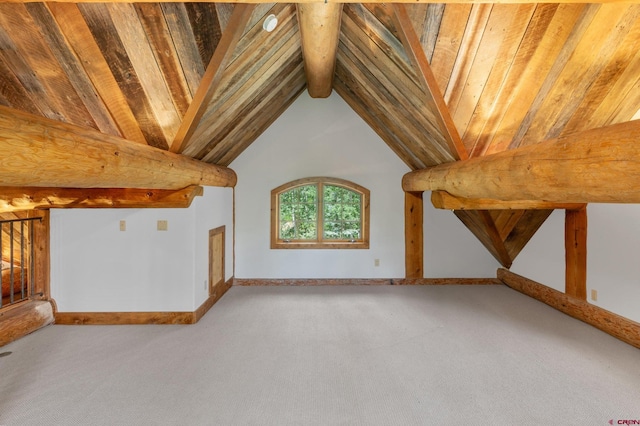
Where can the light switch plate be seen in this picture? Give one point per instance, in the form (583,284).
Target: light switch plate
(163,225)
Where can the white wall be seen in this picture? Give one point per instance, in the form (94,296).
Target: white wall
(450,249)
(542,259)
(324,137)
(613,264)
(95,267)
(213,209)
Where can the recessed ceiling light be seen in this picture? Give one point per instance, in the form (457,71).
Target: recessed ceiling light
(270,23)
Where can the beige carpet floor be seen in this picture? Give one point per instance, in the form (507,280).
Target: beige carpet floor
(354,355)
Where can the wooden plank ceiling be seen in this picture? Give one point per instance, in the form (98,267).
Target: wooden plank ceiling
(205,80)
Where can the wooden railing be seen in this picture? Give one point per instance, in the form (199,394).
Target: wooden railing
(17,261)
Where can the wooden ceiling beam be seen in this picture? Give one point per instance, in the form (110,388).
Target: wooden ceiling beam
(595,166)
(500,249)
(212,75)
(18,199)
(320,32)
(35,151)
(444,200)
(434,100)
(323,1)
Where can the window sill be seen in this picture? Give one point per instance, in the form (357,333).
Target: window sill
(316,245)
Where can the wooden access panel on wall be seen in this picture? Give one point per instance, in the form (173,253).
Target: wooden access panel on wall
(216,258)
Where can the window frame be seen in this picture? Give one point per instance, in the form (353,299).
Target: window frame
(320,243)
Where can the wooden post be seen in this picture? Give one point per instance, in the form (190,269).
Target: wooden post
(413,235)
(575,244)
(42,256)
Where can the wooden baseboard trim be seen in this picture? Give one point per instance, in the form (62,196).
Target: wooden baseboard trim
(218,292)
(617,326)
(24,318)
(130,318)
(123,318)
(446,281)
(365,281)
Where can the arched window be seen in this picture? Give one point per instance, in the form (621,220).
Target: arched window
(320,212)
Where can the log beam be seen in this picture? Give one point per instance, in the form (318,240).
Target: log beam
(444,200)
(17,199)
(575,244)
(319,31)
(617,326)
(23,318)
(596,166)
(36,151)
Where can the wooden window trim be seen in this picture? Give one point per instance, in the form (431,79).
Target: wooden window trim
(277,243)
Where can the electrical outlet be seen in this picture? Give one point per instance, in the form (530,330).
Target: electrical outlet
(123,225)
(376,262)
(163,225)
(594,295)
